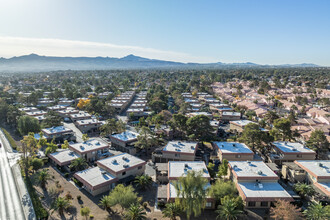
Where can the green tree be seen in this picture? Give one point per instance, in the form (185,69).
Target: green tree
(199,127)
(252,136)
(210,168)
(146,139)
(65,145)
(60,204)
(223,168)
(171,210)
(109,127)
(28,149)
(27,124)
(78,164)
(221,189)
(36,163)
(85,137)
(157,105)
(106,202)
(51,148)
(282,126)
(318,142)
(52,119)
(143,181)
(229,209)
(85,211)
(191,193)
(124,196)
(179,123)
(271,116)
(304,189)
(315,211)
(43,177)
(135,212)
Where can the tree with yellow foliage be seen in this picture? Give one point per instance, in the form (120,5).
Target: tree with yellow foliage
(82,103)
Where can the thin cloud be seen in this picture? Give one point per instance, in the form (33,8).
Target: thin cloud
(15,46)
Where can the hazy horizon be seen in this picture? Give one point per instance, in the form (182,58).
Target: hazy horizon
(262,32)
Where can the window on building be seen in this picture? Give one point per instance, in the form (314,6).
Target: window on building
(299,155)
(264,204)
(177,155)
(208,205)
(124,173)
(238,156)
(252,204)
(140,167)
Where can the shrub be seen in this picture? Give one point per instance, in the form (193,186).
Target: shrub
(40,211)
(66,175)
(10,139)
(77,182)
(145,204)
(68,196)
(91,216)
(79,197)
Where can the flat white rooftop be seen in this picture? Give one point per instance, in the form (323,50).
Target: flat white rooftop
(56,107)
(181,147)
(87,146)
(242,122)
(95,177)
(263,191)
(238,114)
(178,169)
(290,147)
(233,147)
(69,111)
(56,130)
(28,109)
(126,136)
(80,115)
(36,113)
(320,168)
(88,122)
(257,169)
(173,193)
(121,162)
(64,157)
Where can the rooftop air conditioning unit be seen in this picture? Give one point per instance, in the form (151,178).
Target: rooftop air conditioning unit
(103,172)
(114,161)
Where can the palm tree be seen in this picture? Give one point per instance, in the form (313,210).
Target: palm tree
(109,127)
(106,203)
(316,211)
(303,189)
(60,204)
(43,177)
(143,181)
(79,164)
(228,209)
(171,211)
(135,212)
(85,212)
(191,193)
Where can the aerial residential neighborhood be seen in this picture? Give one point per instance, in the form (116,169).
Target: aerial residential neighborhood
(164,110)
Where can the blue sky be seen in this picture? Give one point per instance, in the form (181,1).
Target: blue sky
(260,31)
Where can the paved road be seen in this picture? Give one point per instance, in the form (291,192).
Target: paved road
(73,127)
(10,204)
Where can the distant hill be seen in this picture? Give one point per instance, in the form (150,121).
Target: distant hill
(34,63)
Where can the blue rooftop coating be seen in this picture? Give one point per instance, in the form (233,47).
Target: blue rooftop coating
(224,108)
(126,136)
(37,136)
